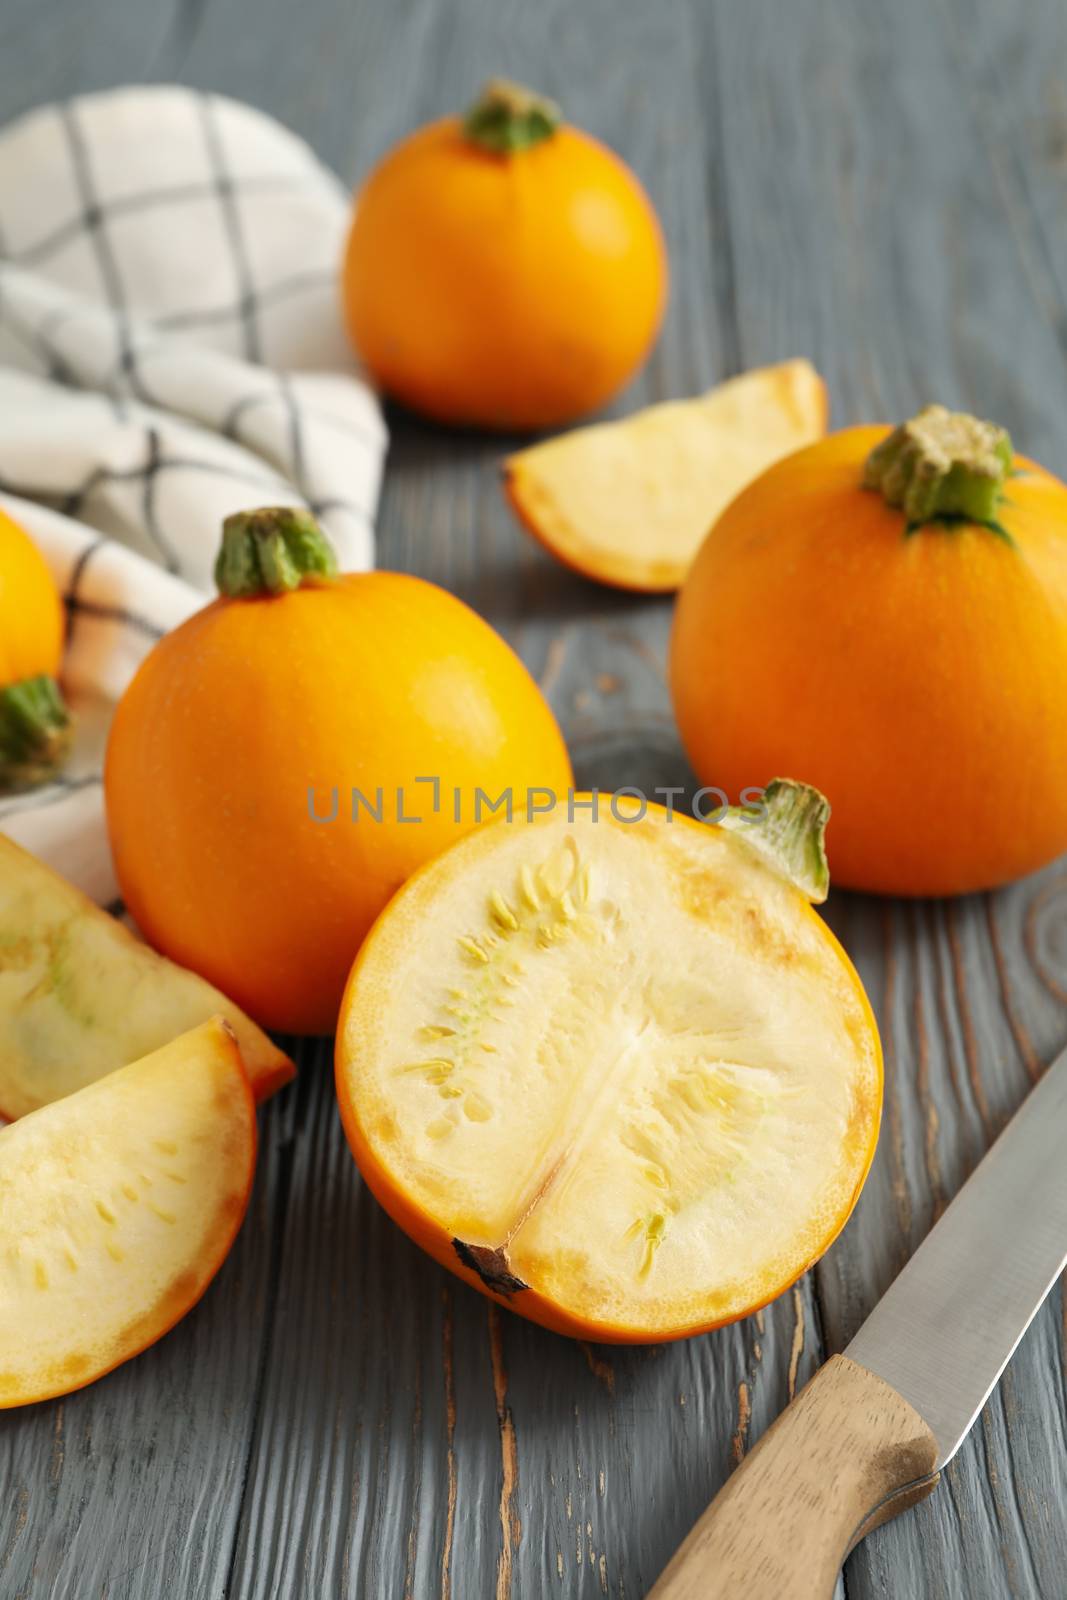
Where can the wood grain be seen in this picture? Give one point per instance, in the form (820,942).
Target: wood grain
(885,191)
(846,1455)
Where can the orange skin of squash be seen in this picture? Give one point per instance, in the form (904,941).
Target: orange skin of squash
(509,292)
(919,680)
(32,622)
(373,680)
(428,1233)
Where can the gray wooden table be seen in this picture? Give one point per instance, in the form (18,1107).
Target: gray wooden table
(883,189)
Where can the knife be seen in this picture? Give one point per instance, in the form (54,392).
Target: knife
(870,1434)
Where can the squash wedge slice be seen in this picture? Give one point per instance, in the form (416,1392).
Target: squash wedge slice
(117,1207)
(79,995)
(629,503)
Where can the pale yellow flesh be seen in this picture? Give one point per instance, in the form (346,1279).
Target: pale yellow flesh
(658,1091)
(117,1206)
(79,995)
(631,502)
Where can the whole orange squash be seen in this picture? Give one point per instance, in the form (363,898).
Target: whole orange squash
(270,774)
(884,615)
(33,720)
(504,269)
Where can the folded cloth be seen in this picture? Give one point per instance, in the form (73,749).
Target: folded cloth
(170,351)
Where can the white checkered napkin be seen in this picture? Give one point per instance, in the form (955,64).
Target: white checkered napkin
(170,351)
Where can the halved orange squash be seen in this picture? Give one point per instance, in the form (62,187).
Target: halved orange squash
(617,1073)
(630,502)
(117,1207)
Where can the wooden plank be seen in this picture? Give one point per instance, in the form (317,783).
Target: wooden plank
(866,146)
(571,1467)
(133,1487)
(883,192)
(59,49)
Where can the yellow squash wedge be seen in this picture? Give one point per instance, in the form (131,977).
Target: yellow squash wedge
(117,1207)
(630,502)
(79,995)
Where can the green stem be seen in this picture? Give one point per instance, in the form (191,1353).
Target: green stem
(788,828)
(272,551)
(34,733)
(507,118)
(942,464)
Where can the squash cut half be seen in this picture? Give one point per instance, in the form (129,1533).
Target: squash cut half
(617,1073)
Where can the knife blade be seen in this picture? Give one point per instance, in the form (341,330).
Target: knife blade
(948,1324)
(869,1435)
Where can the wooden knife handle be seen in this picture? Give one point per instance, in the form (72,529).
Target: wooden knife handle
(848,1454)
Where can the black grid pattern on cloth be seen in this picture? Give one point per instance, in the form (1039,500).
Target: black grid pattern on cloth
(78,606)
(309,444)
(95,214)
(59,789)
(94,226)
(44,343)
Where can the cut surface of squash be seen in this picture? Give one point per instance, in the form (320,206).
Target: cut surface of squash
(618,1073)
(80,995)
(630,502)
(118,1205)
